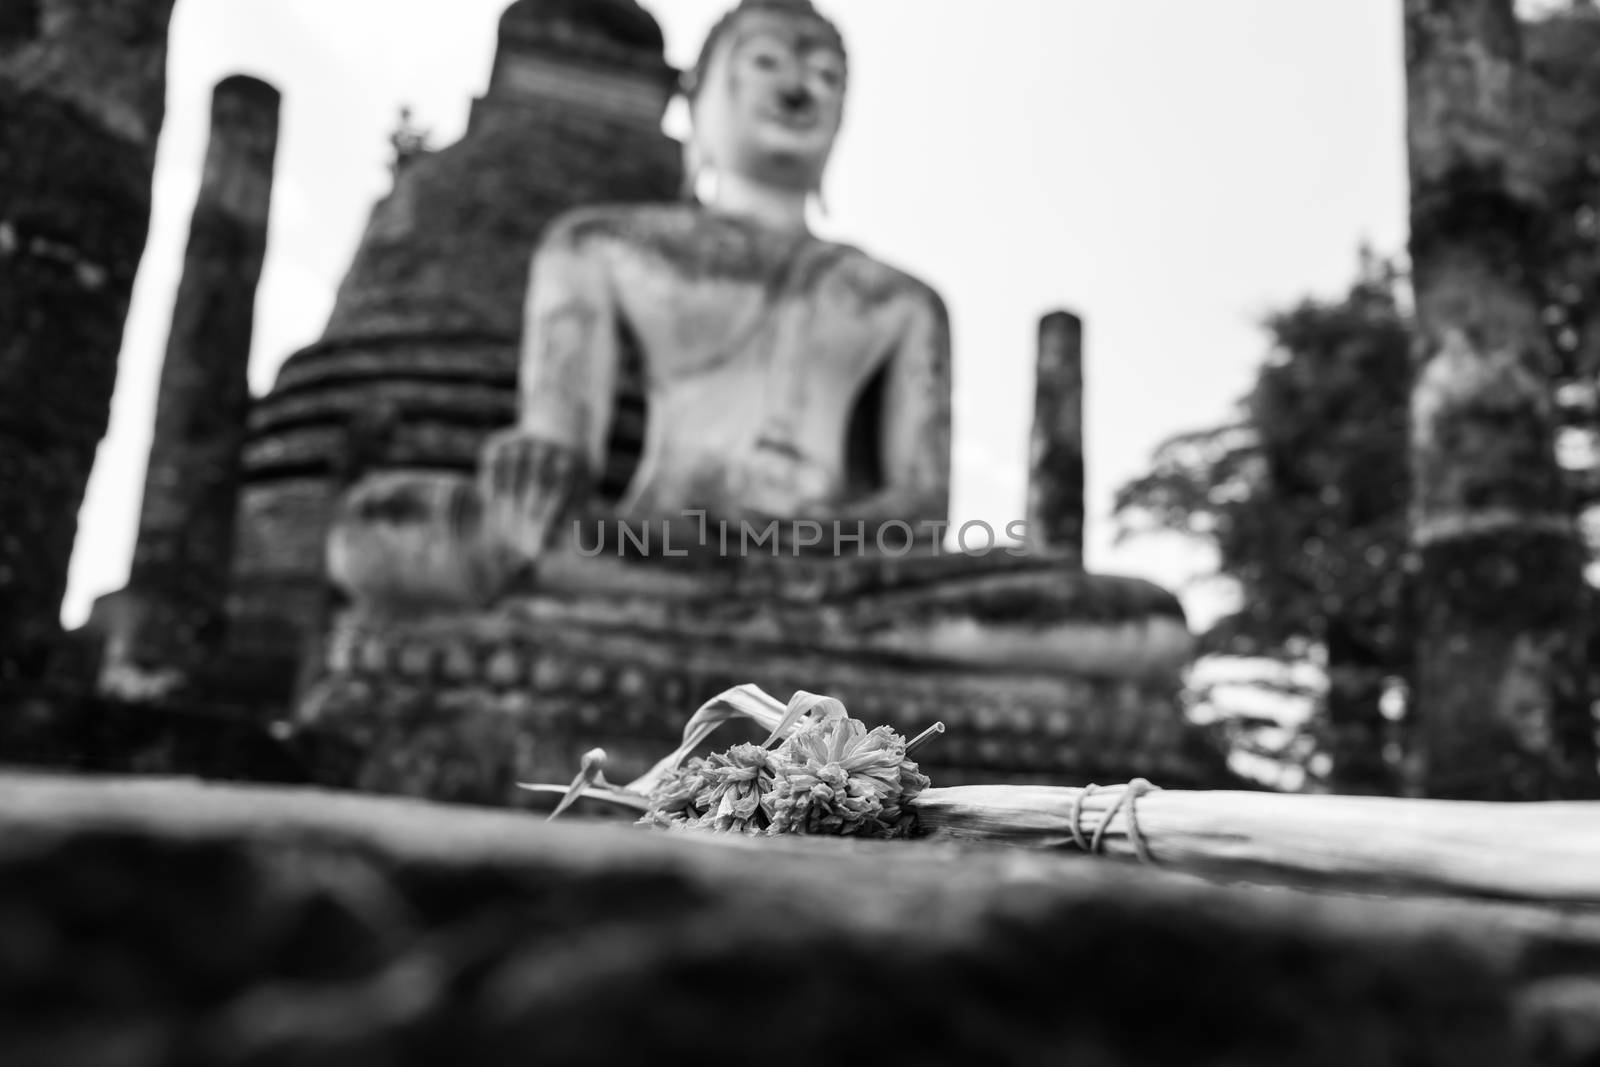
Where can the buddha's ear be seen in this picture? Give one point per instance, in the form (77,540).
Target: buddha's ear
(697,163)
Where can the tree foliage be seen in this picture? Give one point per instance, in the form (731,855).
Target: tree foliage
(1304,498)
(1304,494)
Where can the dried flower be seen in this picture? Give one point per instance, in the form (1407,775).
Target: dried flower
(739,781)
(726,791)
(834,776)
(679,800)
(830,776)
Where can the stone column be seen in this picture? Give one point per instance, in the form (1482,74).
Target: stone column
(1500,674)
(185,547)
(1055,480)
(82,92)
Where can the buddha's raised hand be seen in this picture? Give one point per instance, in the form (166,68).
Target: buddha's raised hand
(528,484)
(404,539)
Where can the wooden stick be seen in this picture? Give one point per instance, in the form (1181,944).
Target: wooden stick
(1544,851)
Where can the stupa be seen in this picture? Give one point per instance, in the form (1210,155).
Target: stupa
(418,362)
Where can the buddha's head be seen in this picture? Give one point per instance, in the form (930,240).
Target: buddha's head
(767,95)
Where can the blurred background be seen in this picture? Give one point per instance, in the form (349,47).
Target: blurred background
(1172,174)
(1220,192)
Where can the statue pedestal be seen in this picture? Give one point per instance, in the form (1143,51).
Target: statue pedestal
(1040,675)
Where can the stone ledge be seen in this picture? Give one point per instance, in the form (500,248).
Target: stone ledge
(161,922)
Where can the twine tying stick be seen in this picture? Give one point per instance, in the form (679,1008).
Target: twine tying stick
(1128,796)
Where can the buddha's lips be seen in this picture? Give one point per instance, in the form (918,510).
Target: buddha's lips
(807,120)
(783,448)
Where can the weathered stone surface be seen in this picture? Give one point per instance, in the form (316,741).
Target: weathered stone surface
(82,84)
(169,923)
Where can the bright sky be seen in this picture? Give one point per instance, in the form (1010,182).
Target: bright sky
(1167,169)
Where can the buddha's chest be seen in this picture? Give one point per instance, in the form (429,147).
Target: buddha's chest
(807,322)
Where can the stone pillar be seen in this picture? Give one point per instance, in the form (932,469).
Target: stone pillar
(82,93)
(1500,677)
(1055,480)
(185,548)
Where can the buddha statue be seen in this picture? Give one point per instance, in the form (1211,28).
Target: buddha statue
(784,377)
(701,371)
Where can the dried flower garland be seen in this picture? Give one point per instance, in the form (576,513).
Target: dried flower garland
(826,774)
(831,776)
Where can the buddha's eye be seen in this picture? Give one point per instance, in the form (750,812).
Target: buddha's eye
(827,71)
(765,57)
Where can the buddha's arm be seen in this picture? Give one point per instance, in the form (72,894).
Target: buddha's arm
(915,435)
(533,473)
(569,346)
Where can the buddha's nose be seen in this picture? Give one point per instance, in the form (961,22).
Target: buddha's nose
(795,98)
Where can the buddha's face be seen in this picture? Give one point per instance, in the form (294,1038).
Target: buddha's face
(773,100)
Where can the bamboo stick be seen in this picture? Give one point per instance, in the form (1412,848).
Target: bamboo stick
(1543,851)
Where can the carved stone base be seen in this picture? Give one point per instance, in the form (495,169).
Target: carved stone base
(461,708)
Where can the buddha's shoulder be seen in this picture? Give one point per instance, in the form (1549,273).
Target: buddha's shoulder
(696,242)
(683,236)
(595,223)
(884,280)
